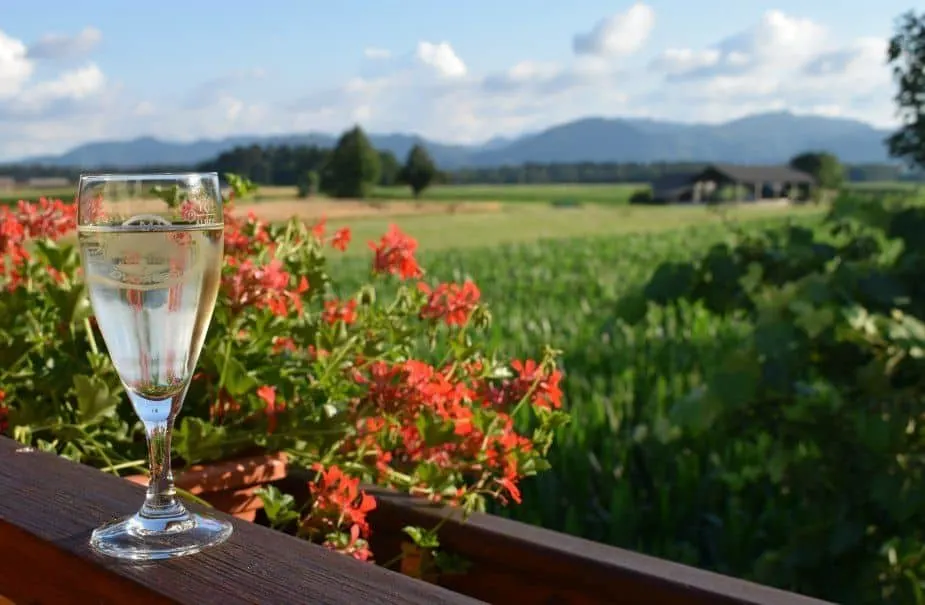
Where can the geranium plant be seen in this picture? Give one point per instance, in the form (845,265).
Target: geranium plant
(388,384)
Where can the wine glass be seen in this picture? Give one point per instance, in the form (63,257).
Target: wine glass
(151,246)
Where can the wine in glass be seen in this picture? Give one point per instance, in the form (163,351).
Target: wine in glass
(151,247)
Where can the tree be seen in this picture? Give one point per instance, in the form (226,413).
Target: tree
(822,166)
(308,184)
(906,55)
(390,168)
(353,168)
(419,170)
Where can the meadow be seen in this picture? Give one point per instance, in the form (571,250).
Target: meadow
(526,223)
(556,194)
(11,196)
(588,193)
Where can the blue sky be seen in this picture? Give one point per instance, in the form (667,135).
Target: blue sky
(463,71)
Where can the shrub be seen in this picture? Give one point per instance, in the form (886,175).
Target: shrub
(642,196)
(806,439)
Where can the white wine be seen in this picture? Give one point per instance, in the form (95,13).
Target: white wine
(153,288)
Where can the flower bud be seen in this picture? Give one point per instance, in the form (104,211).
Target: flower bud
(481,318)
(366,296)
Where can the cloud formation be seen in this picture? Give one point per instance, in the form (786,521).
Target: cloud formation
(15,68)
(60,46)
(618,35)
(780,61)
(441,58)
(372,52)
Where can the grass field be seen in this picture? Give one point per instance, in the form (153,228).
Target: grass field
(619,379)
(552,193)
(618,194)
(604,194)
(524,224)
(14,195)
(887,187)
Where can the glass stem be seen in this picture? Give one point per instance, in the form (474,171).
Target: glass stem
(161,500)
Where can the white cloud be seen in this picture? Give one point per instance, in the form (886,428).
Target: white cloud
(372,52)
(21,96)
(619,35)
(781,61)
(15,68)
(441,58)
(776,42)
(677,61)
(59,46)
(75,84)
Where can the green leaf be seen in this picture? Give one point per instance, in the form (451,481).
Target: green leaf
(695,412)
(670,282)
(279,506)
(94,400)
(736,381)
(423,538)
(196,440)
(632,307)
(236,379)
(72,303)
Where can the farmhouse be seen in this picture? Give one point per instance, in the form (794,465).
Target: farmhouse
(729,182)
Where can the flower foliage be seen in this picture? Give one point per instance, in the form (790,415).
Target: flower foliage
(389,384)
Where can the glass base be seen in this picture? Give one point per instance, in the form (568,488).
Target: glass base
(144,538)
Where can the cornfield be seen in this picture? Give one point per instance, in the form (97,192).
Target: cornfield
(619,382)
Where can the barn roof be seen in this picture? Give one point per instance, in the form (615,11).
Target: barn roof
(760,174)
(674,181)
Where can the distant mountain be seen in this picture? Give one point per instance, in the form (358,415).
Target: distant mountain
(148,151)
(759,139)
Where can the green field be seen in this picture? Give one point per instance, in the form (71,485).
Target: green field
(14,195)
(630,470)
(548,194)
(553,193)
(627,471)
(619,379)
(886,185)
(564,194)
(528,223)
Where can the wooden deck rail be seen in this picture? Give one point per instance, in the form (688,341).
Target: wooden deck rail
(516,563)
(49,506)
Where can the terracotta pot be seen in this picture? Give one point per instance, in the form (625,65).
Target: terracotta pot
(229,485)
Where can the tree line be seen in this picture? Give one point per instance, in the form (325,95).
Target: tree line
(353,167)
(305,166)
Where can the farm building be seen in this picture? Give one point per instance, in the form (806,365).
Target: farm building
(731,182)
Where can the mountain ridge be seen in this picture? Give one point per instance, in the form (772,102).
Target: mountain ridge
(766,138)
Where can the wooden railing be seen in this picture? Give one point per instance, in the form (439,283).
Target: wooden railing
(48,506)
(514,562)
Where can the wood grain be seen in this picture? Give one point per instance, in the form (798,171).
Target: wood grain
(49,506)
(514,562)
